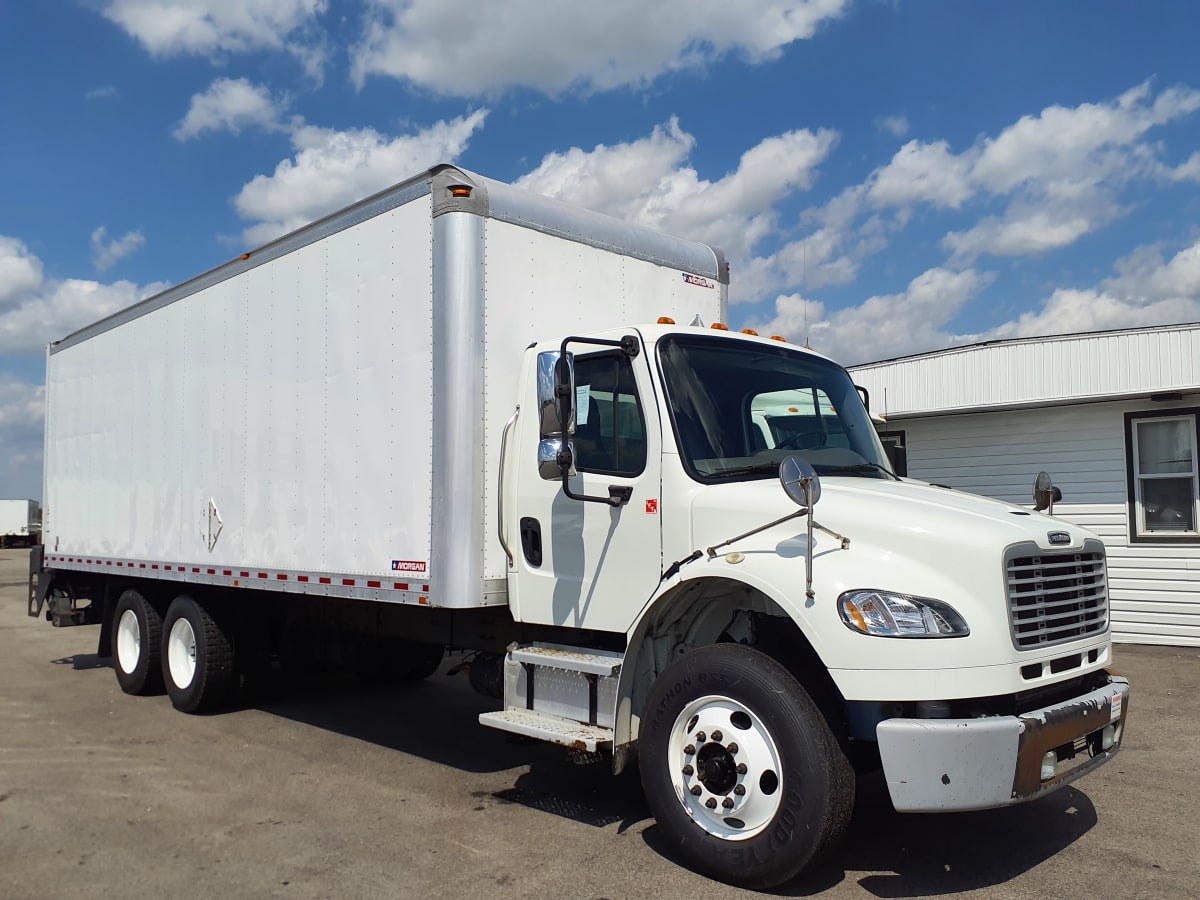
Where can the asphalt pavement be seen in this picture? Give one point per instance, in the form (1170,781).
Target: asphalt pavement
(324,789)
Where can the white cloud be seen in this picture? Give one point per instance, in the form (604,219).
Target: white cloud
(22,409)
(35,311)
(467,48)
(333,168)
(107,253)
(922,173)
(896,126)
(883,326)
(20,271)
(649,181)
(231,104)
(175,27)
(106,92)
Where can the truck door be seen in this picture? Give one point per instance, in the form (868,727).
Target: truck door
(581,564)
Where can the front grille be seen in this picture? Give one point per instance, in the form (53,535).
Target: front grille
(1055,597)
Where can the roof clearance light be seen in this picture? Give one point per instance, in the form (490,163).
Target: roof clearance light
(778,337)
(750,331)
(460,190)
(665,320)
(720,326)
(244,256)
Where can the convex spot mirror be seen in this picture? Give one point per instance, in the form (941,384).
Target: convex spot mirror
(556,394)
(800,481)
(1045,494)
(549,459)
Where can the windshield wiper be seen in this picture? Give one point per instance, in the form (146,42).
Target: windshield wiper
(859,467)
(756,469)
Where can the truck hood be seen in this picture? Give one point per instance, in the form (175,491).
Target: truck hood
(887,513)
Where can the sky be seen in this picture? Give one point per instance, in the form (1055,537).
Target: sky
(884,178)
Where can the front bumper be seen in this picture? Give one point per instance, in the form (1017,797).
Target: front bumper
(938,765)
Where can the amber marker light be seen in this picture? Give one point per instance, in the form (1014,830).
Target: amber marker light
(720,326)
(244,256)
(779,337)
(750,331)
(665,320)
(460,190)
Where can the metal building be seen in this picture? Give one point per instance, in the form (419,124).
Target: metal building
(1113,416)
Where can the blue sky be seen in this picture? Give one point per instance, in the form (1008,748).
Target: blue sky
(885,177)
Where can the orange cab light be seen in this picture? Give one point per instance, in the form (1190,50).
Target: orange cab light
(665,320)
(720,326)
(778,337)
(750,331)
(793,409)
(460,190)
(244,256)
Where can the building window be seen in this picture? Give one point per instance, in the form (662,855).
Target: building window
(895,443)
(1164,483)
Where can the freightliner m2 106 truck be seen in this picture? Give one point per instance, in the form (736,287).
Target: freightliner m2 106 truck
(460,415)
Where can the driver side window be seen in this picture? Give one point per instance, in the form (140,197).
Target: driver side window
(610,431)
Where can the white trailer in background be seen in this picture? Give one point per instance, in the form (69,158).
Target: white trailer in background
(19,523)
(439,418)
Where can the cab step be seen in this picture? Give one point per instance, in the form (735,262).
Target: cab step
(576,735)
(557,693)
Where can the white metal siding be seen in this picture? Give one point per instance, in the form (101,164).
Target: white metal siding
(1154,589)
(296,396)
(1036,371)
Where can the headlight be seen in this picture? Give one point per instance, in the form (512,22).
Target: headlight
(899,615)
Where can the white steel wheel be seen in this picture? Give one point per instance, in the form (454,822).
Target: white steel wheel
(725,768)
(135,638)
(129,642)
(197,655)
(181,654)
(740,768)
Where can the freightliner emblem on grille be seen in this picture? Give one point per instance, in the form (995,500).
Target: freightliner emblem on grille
(1058,537)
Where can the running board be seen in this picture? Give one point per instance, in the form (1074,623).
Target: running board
(549,728)
(559,693)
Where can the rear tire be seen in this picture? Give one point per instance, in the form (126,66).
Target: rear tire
(136,644)
(740,767)
(197,657)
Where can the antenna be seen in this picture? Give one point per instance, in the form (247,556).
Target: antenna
(804,288)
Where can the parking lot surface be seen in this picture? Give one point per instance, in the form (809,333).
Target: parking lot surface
(327,789)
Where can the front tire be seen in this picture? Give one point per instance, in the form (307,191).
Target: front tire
(135,643)
(197,657)
(741,769)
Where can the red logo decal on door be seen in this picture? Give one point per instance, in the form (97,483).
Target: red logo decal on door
(651,507)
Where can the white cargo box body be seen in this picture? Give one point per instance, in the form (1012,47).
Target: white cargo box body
(18,518)
(325,414)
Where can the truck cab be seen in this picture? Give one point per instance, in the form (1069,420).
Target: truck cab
(957,641)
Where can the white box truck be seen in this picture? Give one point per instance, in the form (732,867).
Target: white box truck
(460,415)
(19,523)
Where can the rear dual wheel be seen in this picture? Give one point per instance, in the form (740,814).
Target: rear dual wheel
(740,767)
(136,644)
(197,657)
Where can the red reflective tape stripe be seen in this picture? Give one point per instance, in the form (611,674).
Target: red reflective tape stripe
(400,586)
(425,588)
(262,574)
(141,565)
(281,577)
(348,582)
(226,572)
(326,581)
(154,566)
(245,575)
(373,584)
(302,578)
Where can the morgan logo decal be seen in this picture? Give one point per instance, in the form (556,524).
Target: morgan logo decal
(407,565)
(698,281)
(651,507)
(1058,537)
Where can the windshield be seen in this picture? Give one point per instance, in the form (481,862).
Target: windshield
(739,409)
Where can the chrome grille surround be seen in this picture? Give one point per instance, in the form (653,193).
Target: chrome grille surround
(1055,596)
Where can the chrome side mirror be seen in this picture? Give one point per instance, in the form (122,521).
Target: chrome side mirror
(556,393)
(549,458)
(800,481)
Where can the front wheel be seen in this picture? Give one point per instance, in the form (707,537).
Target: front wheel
(741,769)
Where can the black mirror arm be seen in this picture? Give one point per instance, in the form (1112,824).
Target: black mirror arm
(618,495)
